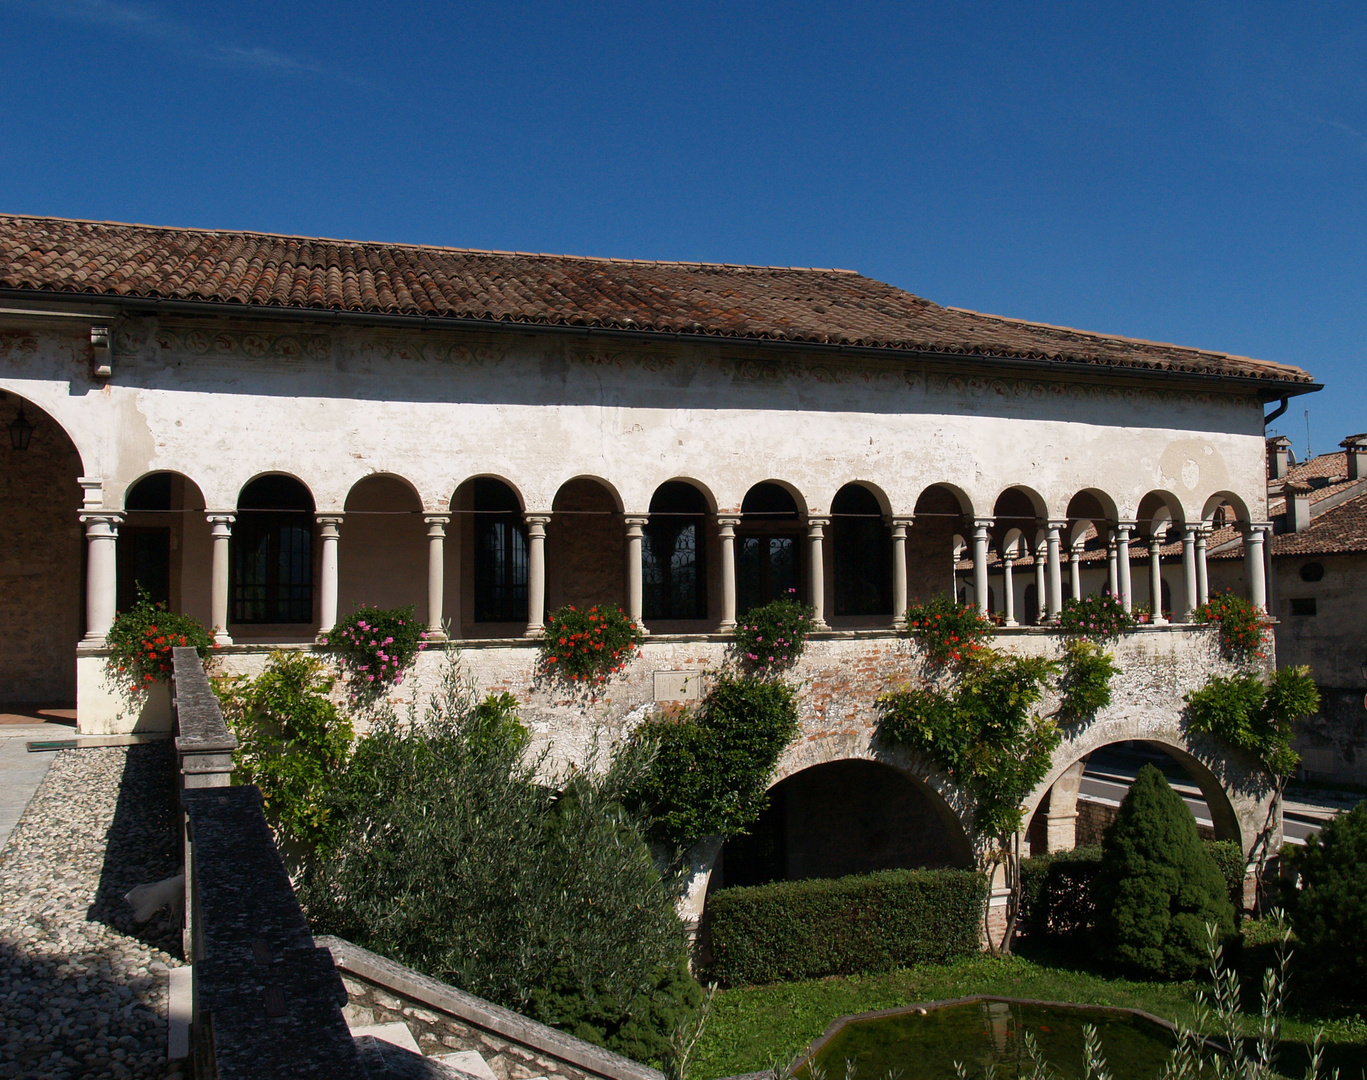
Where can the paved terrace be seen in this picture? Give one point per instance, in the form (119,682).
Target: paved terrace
(83,990)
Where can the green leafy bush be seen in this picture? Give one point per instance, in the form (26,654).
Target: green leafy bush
(710,769)
(374,647)
(771,638)
(588,646)
(1085,685)
(1330,908)
(1256,715)
(141,640)
(792,930)
(1095,617)
(949,633)
(1157,887)
(291,742)
(1056,889)
(983,733)
(1243,628)
(457,854)
(1056,893)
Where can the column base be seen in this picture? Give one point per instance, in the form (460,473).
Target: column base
(221,637)
(535,631)
(820,624)
(726,627)
(94,641)
(434,634)
(1010,622)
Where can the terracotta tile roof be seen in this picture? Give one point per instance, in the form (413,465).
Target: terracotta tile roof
(834,307)
(1341,528)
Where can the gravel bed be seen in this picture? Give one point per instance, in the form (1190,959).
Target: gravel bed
(83,989)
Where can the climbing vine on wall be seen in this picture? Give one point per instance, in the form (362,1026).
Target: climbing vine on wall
(1257,714)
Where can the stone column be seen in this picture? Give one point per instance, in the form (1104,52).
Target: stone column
(980,527)
(726,531)
(536,574)
(101,574)
(1053,529)
(1041,584)
(816,533)
(1122,563)
(436,573)
(1253,564)
(221,529)
(1112,569)
(899,572)
(1061,817)
(1189,571)
(1008,591)
(1202,582)
(1156,582)
(327,585)
(635,599)
(1075,571)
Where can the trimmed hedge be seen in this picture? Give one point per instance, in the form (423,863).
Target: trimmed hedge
(862,924)
(1056,889)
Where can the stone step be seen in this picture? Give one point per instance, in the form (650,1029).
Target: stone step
(395,1033)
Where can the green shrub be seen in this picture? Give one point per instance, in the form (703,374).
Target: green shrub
(1095,617)
(374,646)
(1056,889)
(1157,887)
(141,640)
(710,769)
(950,633)
(1330,913)
(1085,684)
(1056,893)
(588,646)
(291,742)
(770,638)
(792,930)
(1256,715)
(458,855)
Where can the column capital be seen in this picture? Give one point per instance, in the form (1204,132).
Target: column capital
(220,517)
(101,522)
(815,523)
(903,521)
(542,519)
(436,519)
(728,521)
(636,521)
(984,522)
(1189,533)
(1056,524)
(329,521)
(1247,527)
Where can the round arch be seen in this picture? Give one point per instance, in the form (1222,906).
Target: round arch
(587,478)
(932,500)
(709,498)
(1019,505)
(270,474)
(1235,789)
(860,547)
(164,544)
(799,500)
(586,546)
(879,495)
(466,484)
(1159,509)
(44,610)
(383,552)
(1225,498)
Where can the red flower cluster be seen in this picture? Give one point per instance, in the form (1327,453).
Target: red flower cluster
(949,633)
(589,646)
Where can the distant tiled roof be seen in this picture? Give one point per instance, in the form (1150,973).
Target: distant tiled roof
(829,307)
(1340,529)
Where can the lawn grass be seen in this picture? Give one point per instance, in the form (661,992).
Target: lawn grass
(750,1027)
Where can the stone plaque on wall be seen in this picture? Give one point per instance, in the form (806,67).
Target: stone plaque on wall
(678,685)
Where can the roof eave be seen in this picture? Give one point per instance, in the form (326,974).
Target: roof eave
(103,304)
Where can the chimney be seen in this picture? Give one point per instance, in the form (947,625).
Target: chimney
(1278,457)
(1356,445)
(1297,506)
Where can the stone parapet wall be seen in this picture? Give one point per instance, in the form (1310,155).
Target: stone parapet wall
(443,1020)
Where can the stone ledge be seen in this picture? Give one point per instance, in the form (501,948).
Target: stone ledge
(353,960)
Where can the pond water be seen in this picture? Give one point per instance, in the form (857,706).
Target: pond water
(991,1032)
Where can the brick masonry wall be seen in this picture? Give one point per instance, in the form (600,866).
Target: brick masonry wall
(40,563)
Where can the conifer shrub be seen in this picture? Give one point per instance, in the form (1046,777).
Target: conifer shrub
(1157,887)
(1330,908)
(854,925)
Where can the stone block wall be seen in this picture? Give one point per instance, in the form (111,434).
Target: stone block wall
(443,1020)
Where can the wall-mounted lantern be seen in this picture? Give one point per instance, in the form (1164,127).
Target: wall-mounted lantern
(20,430)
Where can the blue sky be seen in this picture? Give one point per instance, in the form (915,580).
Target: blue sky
(1185,172)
